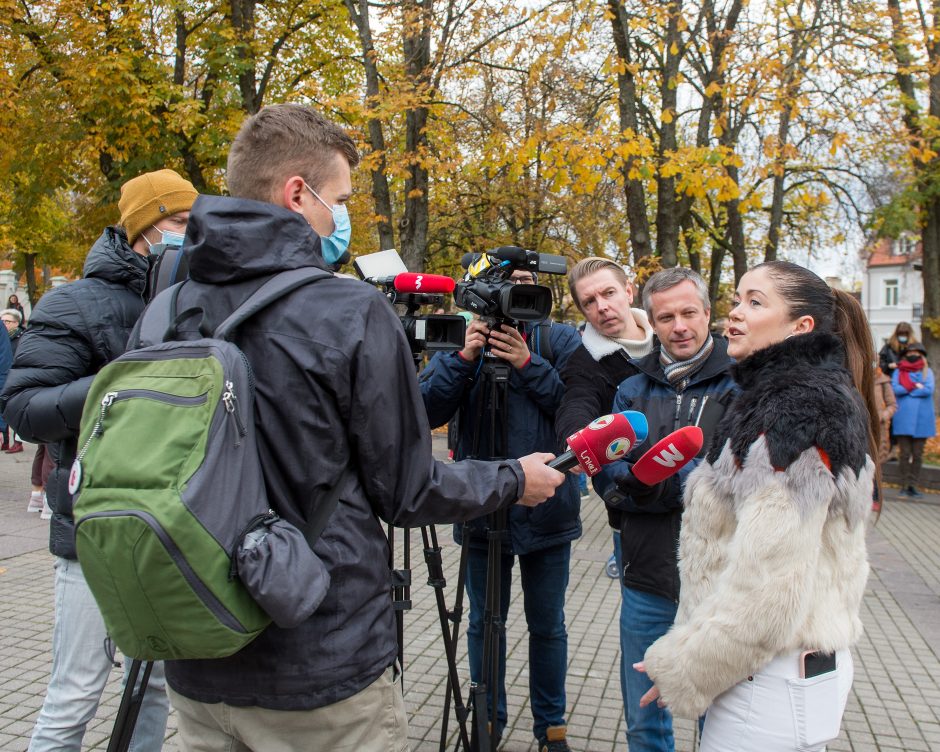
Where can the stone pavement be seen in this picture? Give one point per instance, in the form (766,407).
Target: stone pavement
(895,702)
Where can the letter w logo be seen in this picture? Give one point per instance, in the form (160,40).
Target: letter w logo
(669,456)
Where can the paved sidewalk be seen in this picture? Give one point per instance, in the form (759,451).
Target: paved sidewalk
(895,703)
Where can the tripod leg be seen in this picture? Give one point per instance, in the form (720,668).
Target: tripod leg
(129,709)
(432,556)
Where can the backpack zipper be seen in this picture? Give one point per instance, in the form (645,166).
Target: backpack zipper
(111,397)
(231,407)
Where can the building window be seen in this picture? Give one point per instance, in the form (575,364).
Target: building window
(904,245)
(891,292)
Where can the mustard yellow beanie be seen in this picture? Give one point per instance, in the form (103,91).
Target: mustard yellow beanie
(151,197)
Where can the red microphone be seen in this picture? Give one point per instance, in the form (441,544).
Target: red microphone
(601,442)
(433,284)
(669,455)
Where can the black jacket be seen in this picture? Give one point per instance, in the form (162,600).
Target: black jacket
(590,387)
(649,532)
(74,331)
(335,389)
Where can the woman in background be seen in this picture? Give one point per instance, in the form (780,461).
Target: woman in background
(915,421)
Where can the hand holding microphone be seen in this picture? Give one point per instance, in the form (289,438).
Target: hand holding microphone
(654,473)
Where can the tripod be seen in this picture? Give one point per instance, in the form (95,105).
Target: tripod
(491,420)
(129,709)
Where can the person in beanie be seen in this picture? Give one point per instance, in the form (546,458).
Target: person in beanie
(74,331)
(914,422)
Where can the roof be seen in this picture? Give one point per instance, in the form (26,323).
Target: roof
(885,252)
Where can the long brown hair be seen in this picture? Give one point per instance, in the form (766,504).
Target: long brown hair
(902,328)
(837,312)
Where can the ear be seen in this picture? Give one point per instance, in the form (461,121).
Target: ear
(629,289)
(804,325)
(292,194)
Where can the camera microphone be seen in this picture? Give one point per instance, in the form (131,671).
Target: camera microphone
(603,441)
(669,455)
(432,284)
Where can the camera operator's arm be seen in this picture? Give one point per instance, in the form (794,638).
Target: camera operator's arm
(536,376)
(449,376)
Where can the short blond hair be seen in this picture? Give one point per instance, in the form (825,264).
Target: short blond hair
(587,267)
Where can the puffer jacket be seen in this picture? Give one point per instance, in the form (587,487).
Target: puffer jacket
(335,397)
(649,532)
(450,386)
(772,553)
(74,331)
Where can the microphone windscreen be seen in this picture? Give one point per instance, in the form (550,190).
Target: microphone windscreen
(411,282)
(669,455)
(604,440)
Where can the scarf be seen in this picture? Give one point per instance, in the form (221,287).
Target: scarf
(905,369)
(680,372)
(600,345)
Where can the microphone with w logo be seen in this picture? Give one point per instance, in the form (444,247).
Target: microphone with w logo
(669,455)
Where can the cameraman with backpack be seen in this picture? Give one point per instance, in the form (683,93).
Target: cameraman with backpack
(337,410)
(73,332)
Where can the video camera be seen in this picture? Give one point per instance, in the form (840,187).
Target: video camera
(412,290)
(487,291)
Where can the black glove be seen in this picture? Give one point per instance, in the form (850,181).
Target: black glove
(627,486)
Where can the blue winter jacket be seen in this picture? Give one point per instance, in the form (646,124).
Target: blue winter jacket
(915,416)
(451,386)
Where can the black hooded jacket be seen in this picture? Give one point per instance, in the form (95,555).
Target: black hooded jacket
(74,331)
(335,390)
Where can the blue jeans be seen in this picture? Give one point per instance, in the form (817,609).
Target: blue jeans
(544,580)
(644,618)
(80,668)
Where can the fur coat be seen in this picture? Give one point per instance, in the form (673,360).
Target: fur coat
(772,554)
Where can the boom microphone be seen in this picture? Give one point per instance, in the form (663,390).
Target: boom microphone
(604,440)
(669,455)
(432,284)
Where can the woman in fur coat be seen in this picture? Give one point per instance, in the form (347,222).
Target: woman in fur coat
(772,551)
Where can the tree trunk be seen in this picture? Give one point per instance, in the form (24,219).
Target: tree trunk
(416,45)
(32,289)
(243,21)
(629,124)
(381,194)
(668,205)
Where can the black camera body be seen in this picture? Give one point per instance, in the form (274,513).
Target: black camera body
(424,333)
(487,291)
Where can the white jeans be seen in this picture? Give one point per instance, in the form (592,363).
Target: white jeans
(80,668)
(777,711)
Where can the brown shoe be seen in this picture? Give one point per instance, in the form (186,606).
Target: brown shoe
(16,446)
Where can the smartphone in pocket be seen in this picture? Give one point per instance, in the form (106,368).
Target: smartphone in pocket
(815,662)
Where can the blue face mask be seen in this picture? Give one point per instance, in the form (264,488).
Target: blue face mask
(168,239)
(334,245)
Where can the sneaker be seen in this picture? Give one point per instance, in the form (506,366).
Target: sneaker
(610,569)
(554,740)
(914,493)
(46,513)
(35,502)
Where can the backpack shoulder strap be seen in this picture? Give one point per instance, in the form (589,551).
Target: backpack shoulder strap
(157,318)
(545,341)
(274,288)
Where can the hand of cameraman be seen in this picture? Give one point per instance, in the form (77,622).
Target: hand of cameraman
(474,340)
(507,344)
(540,480)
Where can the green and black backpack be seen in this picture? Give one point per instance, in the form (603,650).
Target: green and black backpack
(173,528)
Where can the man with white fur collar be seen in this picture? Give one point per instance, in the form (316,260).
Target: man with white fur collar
(614,333)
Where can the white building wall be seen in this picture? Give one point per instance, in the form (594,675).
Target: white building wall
(882,317)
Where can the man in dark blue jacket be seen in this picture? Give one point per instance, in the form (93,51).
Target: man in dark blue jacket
(541,538)
(684,381)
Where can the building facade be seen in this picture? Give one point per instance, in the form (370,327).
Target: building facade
(893,290)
